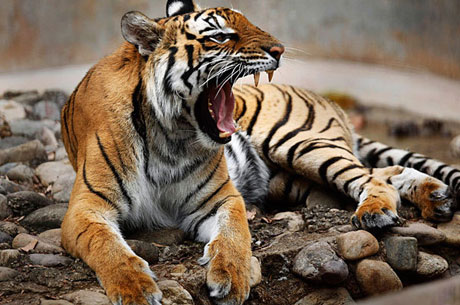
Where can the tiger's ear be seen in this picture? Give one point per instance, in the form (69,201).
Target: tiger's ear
(141,31)
(179,7)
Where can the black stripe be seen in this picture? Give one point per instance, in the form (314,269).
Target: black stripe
(288,186)
(419,165)
(345,169)
(305,195)
(315,145)
(203,203)
(185,76)
(367,143)
(243,111)
(278,125)
(373,156)
(347,184)
(255,115)
(390,161)
(437,173)
(167,77)
(114,171)
(404,159)
(449,175)
(329,125)
(92,190)
(291,153)
(322,171)
(455,181)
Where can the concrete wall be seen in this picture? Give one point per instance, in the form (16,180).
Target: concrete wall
(420,34)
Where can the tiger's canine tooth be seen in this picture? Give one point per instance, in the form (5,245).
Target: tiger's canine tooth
(270,75)
(225,134)
(256,78)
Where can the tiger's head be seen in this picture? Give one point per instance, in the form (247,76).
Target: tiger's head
(192,59)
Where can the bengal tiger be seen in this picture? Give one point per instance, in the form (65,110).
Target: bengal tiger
(160,137)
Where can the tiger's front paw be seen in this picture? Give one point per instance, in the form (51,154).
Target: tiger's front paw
(131,283)
(229,272)
(375,214)
(436,203)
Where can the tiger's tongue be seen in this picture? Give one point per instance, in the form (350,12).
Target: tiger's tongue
(223,104)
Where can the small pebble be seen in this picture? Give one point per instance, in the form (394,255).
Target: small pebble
(431,265)
(401,252)
(7,274)
(50,260)
(357,244)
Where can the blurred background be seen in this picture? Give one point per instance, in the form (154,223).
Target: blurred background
(400,55)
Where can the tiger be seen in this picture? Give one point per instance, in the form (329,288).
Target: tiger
(159,137)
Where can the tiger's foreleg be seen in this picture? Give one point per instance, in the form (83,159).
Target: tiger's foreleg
(90,232)
(223,226)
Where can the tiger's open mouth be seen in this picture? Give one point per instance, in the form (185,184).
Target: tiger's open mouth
(215,106)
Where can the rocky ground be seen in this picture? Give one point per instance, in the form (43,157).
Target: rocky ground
(307,255)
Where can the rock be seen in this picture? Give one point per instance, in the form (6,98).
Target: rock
(6,167)
(174,293)
(23,97)
(5,130)
(61,154)
(42,245)
(178,270)
(256,272)
(8,256)
(295,221)
(376,277)
(8,187)
(54,302)
(5,238)
(46,110)
(11,228)
(25,202)
(7,274)
(48,138)
(29,128)
(30,151)
(147,251)
(166,237)
(50,260)
(5,210)
(425,234)
(430,265)
(87,297)
(401,252)
(56,96)
(318,196)
(12,142)
(12,110)
(357,244)
(21,172)
(62,188)
(327,296)
(53,236)
(49,172)
(49,217)
(319,263)
(451,229)
(455,146)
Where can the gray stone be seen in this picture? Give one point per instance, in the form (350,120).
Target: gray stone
(455,146)
(12,142)
(46,110)
(41,245)
(8,256)
(357,244)
(431,265)
(376,277)
(87,297)
(30,151)
(49,217)
(452,230)
(401,252)
(425,234)
(6,167)
(294,221)
(54,302)
(21,173)
(5,210)
(29,128)
(11,229)
(50,260)
(147,251)
(23,97)
(61,154)
(256,272)
(7,274)
(5,238)
(56,96)
(62,188)
(174,293)
(25,202)
(53,236)
(8,187)
(12,110)
(319,263)
(47,137)
(327,296)
(49,172)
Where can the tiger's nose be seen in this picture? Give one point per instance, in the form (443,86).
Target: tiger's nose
(276,52)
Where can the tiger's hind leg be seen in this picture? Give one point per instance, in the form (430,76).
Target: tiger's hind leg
(431,182)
